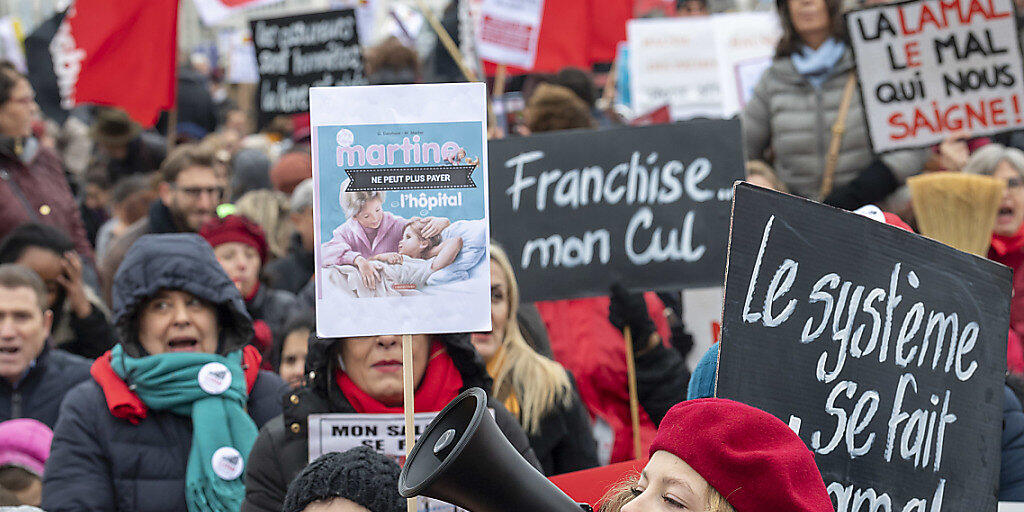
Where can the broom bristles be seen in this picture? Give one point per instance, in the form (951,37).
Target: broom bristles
(957,209)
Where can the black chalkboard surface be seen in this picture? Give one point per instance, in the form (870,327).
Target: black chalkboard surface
(885,350)
(649,207)
(295,53)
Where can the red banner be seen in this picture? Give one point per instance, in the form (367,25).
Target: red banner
(119,52)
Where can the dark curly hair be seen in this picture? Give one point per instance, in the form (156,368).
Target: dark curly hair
(553,107)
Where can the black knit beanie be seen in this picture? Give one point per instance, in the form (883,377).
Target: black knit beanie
(360,475)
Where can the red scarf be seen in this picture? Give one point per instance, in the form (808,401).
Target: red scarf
(440,384)
(1003,245)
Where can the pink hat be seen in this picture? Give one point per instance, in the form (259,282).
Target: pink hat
(25,443)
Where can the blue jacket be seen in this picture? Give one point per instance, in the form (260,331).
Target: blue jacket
(702,382)
(40,392)
(101,462)
(1011,467)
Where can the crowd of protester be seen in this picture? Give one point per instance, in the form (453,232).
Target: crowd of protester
(126,273)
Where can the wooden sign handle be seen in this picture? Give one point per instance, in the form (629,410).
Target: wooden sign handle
(408,388)
(446,41)
(634,402)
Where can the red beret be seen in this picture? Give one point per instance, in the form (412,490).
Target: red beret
(749,456)
(235,228)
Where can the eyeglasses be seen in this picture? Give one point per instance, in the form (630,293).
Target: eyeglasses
(197,192)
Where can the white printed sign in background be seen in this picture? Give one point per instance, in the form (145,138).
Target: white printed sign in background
(508,29)
(933,67)
(703,66)
(385,433)
(400,209)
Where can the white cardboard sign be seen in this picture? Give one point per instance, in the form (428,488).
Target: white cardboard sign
(700,66)
(400,209)
(385,433)
(508,31)
(929,68)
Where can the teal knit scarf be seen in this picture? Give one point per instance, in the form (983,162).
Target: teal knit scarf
(210,389)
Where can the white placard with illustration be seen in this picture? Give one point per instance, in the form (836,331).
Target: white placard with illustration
(400,209)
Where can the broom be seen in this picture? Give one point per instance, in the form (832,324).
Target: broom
(957,209)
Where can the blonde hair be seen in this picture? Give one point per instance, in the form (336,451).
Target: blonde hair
(539,383)
(622,493)
(269,209)
(352,202)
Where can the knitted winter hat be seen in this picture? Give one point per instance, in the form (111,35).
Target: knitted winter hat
(250,171)
(749,456)
(235,228)
(360,475)
(25,443)
(290,170)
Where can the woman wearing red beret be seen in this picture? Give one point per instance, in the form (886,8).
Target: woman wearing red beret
(241,249)
(716,455)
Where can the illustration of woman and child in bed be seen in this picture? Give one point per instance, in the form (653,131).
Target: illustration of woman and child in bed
(375,253)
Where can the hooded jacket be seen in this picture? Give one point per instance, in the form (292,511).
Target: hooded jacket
(282,448)
(110,452)
(792,120)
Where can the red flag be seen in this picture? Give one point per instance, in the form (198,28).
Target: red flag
(120,52)
(577,33)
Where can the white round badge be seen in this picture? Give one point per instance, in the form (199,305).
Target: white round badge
(214,378)
(227,463)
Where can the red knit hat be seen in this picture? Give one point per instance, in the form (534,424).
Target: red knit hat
(235,228)
(749,456)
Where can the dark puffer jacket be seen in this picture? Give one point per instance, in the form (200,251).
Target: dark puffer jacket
(101,462)
(293,271)
(39,394)
(1011,466)
(282,448)
(273,307)
(563,441)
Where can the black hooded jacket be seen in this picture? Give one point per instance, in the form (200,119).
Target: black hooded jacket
(282,448)
(101,462)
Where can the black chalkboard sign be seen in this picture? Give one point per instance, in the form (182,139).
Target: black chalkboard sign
(648,206)
(295,53)
(885,350)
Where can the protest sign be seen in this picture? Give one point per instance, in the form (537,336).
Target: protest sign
(929,68)
(885,351)
(384,433)
(647,206)
(295,53)
(400,209)
(508,31)
(699,66)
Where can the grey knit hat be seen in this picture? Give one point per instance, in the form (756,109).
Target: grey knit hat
(360,475)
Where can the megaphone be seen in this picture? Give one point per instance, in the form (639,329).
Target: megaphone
(464,459)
